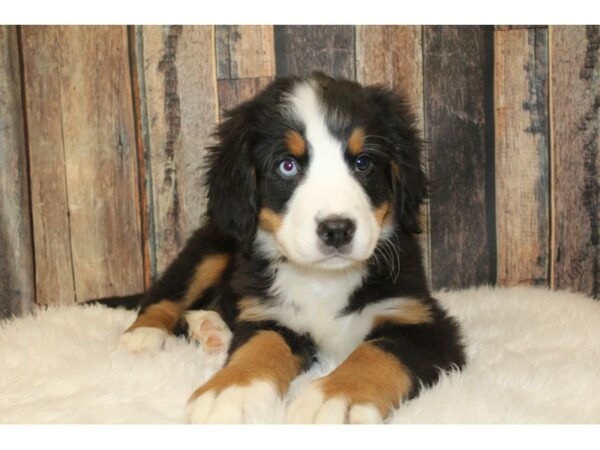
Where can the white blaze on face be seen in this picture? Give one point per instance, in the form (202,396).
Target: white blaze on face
(327,189)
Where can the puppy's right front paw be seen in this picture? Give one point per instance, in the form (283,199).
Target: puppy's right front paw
(143,339)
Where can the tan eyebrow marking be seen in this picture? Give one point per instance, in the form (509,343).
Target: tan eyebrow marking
(356,141)
(295,143)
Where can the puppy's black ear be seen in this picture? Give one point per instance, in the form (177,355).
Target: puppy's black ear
(231,177)
(409,182)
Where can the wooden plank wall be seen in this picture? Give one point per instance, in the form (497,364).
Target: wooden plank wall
(17,286)
(103,131)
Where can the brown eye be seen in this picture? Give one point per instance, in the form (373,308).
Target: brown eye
(362,163)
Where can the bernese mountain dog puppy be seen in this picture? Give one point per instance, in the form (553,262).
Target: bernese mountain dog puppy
(308,249)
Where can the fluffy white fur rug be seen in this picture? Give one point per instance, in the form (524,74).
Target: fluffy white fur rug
(534,357)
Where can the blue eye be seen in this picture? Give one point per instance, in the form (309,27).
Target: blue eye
(288,168)
(362,163)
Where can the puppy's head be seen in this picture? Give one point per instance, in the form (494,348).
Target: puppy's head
(317,171)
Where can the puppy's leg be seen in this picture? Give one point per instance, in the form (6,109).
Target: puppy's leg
(188,280)
(208,329)
(264,359)
(404,351)
(157,320)
(151,327)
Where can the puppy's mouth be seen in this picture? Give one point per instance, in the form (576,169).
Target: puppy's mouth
(336,262)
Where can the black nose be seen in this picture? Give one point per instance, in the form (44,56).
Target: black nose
(336,231)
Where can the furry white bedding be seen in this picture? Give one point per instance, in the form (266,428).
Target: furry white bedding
(534,357)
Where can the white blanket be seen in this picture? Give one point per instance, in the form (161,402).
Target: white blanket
(534,357)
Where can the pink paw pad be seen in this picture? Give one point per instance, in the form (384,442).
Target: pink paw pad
(207,328)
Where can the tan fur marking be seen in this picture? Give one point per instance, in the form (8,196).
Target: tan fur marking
(381,212)
(251,310)
(295,143)
(269,220)
(369,375)
(395,170)
(206,275)
(356,141)
(163,315)
(406,312)
(266,356)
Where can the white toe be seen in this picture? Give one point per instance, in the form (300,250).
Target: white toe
(258,402)
(311,406)
(199,409)
(143,339)
(229,406)
(333,411)
(304,408)
(364,413)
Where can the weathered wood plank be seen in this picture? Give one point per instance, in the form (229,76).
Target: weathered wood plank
(302,49)
(575,97)
(520,27)
(178,87)
(234,92)
(522,155)
(393,56)
(86,125)
(245,51)
(52,243)
(17,289)
(458,88)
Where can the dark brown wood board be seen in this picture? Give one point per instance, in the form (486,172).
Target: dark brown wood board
(17,286)
(522,155)
(575,101)
(245,51)
(179,110)
(458,89)
(234,92)
(302,49)
(245,62)
(83,162)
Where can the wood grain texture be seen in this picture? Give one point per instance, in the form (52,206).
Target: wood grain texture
(520,27)
(234,92)
(522,155)
(458,90)
(301,49)
(51,229)
(245,62)
(245,51)
(83,162)
(393,56)
(16,252)
(575,97)
(178,87)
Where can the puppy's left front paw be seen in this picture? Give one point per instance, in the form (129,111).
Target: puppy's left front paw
(257,402)
(314,406)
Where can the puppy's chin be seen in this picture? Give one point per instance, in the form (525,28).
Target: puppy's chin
(337,263)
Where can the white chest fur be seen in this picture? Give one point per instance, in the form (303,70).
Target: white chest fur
(311,302)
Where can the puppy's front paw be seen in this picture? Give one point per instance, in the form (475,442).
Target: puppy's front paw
(257,402)
(143,339)
(313,406)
